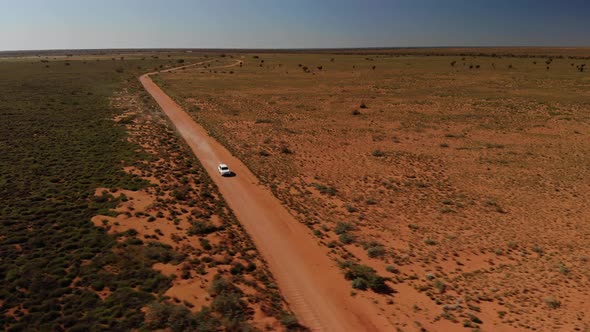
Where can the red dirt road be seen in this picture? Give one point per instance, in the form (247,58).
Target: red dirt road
(310,281)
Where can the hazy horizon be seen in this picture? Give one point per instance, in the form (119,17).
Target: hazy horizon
(305,24)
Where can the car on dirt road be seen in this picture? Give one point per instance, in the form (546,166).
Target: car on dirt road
(223,170)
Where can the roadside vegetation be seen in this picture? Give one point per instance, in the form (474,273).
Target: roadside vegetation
(71,162)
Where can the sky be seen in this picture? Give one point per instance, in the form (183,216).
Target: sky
(82,24)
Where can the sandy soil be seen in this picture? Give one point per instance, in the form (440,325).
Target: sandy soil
(463,176)
(310,281)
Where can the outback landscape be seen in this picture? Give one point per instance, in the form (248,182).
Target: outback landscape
(449,190)
(108,221)
(458,177)
(295,166)
(447,187)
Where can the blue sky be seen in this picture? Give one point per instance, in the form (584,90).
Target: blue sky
(59,24)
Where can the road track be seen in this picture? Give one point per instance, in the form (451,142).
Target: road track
(310,281)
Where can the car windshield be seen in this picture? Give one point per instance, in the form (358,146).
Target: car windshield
(224,168)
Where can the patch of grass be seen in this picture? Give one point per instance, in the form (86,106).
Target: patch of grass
(475,319)
(539,250)
(552,302)
(374,249)
(392,269)
(430,242)
(343,227)
(494,146)
(291,323)
(326,190)
(227,301)
(351,208)
(563,269)
(413,227)
(360,283)
(377,153)
(286,150)
(440,286)
(346,238)
(371,201)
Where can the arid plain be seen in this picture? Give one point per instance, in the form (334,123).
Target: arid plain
(461,178)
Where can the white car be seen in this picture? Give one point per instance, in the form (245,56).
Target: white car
(223,170)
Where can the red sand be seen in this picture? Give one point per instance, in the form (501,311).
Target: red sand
(310,281)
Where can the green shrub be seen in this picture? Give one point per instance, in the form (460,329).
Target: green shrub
(205,244)
(201,228)
(368,274)
(286,150)
(230,306)
(250,267)
(552,302)
(343,227)
(290,322)
(220,285)
(237,268)
(351,208)
(360,283)
(179,319)
(376,251)
(326,190)
(392,269)
(440,286)
(430,242)
(377,153)
(346,238)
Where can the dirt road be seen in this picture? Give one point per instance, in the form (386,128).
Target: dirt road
(310,281)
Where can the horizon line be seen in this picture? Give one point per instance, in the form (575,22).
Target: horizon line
(289,48)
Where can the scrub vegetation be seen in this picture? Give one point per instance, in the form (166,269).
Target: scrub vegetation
(449,184)
(71,161)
